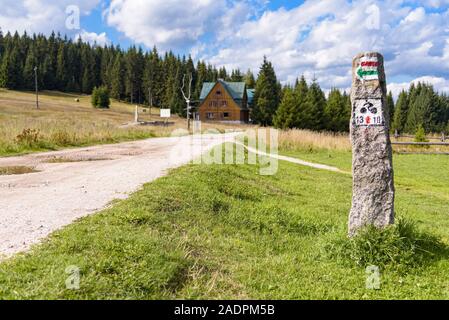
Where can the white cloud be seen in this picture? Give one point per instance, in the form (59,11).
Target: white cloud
(40,16)
(319,39)
(94,38)
(170,24)
(440,84)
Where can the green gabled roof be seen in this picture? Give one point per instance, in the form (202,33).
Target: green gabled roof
(235,89)
(250,95)
(207,87)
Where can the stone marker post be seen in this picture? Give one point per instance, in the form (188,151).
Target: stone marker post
(372,167)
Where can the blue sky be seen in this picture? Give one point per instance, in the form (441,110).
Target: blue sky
(314,38)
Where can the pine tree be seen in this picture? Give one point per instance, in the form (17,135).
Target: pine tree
(285,114)
(88,66)
(177,102)
(28,70)
(61,68)
(314,108)
(223,74)
(301,90)
(390,104)
(2,46)
(11,70)
(336,112)
(250,80)
(266,96)
(420,101)
(48,73)
(400,113)
(72,66)
(424,110)
(117,75)
(133,74)
(348,111)
(202,77)
(236,76)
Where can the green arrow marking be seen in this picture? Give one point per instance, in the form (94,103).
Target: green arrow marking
(363,73)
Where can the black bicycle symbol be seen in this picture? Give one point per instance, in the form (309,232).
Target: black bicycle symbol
(368,106)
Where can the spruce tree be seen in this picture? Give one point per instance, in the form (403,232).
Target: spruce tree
(223,74)
(400,113)
(133,74)
(177,102)
(250,80)
(336,112)
(314,108)
(61,68)
(236,76)
(11,70)
(202,77)
(2,46)
(28,70)
(285,114)
(117,75)
(301,90)
(47,73)
(266,96)
(390,104)
(420,101)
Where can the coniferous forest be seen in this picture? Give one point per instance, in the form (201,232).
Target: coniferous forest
(135,75)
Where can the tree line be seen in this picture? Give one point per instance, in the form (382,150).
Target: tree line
(301,106)
(140,76)
(305,106)
(129,75)
(421,106)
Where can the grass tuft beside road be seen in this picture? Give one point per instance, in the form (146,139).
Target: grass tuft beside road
(16,170)
(223,231)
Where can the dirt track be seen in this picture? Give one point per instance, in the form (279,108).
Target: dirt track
(33,205)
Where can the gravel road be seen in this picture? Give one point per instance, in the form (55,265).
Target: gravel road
(35,204)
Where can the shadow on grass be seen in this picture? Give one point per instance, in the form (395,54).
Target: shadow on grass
(400,247)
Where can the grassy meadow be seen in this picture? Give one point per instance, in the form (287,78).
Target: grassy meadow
(63,122)
(223,231)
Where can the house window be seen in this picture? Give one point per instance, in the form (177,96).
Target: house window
(226,115)
(224,103)
(218,93)
(210,115)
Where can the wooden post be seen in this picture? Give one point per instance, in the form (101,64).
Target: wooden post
(373,186)
(36,88)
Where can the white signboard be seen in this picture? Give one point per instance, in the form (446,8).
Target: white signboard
(368,112)
(165,113)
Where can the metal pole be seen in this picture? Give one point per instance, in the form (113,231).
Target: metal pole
(188,115)
(35,84)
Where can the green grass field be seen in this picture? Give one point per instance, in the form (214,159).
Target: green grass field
(223,231)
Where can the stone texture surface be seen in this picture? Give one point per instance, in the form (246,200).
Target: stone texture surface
(372,167)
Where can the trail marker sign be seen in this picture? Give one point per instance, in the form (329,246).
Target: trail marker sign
(368,112)
(372,167)
(368,68)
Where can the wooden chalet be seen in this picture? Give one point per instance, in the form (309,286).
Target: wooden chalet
(225,102)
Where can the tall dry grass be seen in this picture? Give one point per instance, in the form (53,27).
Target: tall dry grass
(64,122)
(295,139)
